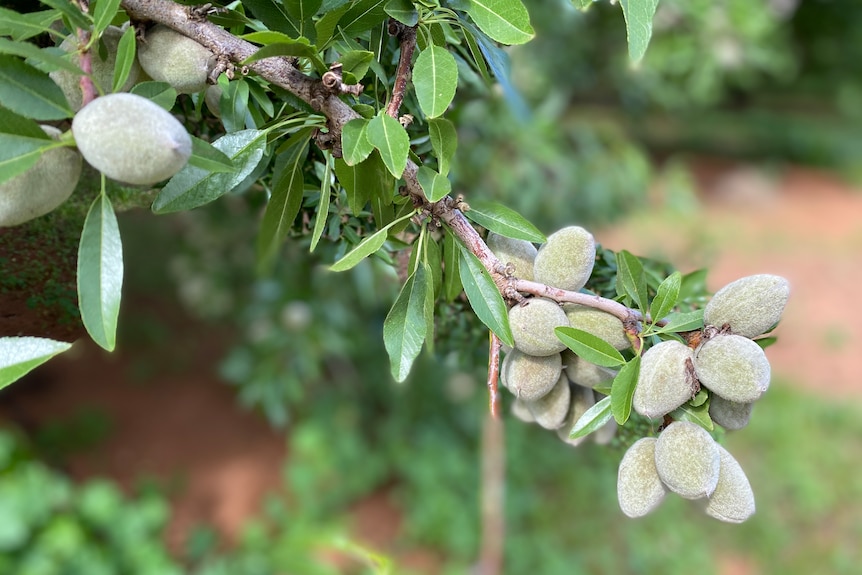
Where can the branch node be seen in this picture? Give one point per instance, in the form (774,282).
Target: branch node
(405,120)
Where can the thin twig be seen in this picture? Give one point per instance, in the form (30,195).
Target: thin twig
(494,376)
(493,498)
(407,39)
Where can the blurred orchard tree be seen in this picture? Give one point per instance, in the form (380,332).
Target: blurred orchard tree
(326,132)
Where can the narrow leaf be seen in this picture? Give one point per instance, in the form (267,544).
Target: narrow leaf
(403,10)
(435,78)
(18,154)
(125,59)
(630,274)
(103,12)
(274,15)
(639,15)
(593,419)
(483,295)
(160,93)
(666,296)
(30,92)
(623,389)
(451,276)
(16,125)
(323,206)
(365,248)
(435,186)
(683,321)
(28,50)
(506,21)
(208,157)
(354,144)
(589,347)
(19,355)
(698,415)
(444,142)
(193,187)
(100,273)
(76,16)
(405,329)
(504,221)
(363,15)
(387,135)
(23,26)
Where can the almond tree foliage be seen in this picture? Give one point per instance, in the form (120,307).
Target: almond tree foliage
(337,109)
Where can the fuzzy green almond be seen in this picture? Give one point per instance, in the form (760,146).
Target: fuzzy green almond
(582,400)
(566,260)
(551,410)
(733,499)
(687,460)
(522,412)
(584,373)
(168,56)
(599,323)
(733,367)
(43,187)
(639,488)
(729,414)
(533,323)
(749,305)
(530,377)
(666,379)
(520,254)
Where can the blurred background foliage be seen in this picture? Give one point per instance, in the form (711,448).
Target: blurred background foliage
(583,140)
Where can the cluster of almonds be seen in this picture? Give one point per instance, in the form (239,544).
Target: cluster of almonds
(125,136)
(726,361)
(553,386)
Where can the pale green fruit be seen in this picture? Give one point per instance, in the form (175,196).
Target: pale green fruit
(551,410)
(168,56)
(522,412)
(533,323)
(584,373)
(666,379)
(750,305)
(639,488)
(601,324)
(582,400)
(687,460)
(519,253)
(530,377)
(43,187)
(566,260)
(212,97)
(733,500)
(733,367)
(131,139)
(103,70)
(728,414)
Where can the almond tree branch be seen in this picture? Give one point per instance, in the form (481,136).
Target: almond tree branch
(494,376)
(407,39)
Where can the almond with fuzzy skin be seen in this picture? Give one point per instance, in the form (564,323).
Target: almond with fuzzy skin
(639,488)
(687,460)
(520,254)
(729,414)
(551,410)
(749,305)
(584,373)
(733,500)
(664,381)
(131,139)
(582,400)
(601,324)
(733,367)
(566,260)
(530,377)
(533,323)
(168,56)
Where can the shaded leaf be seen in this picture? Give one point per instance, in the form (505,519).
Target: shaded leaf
(125,59)
(19,355)
(451,276)
(206,156)
(435,186)
(592,419)
(23,26)
(405,327)
(30,92)
(506,21)
(638,15)
(698,415)
(666,296)
(72,12)
(29,50)
(444,142)
(631,277)
(100,273)
(274,15)
(387,135)
(402,10)
(160,93)
(16,125)
(623,389)
(355,65)
(363,15)
(683,321)
(18,154)
(504,221)
(322,206)
(366,247)
(435,79)
(355,146)
(589,347)
(483,295)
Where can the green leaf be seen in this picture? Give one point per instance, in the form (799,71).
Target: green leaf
(592,419)
(444,142)
(504,221)
(451,276)
(323,206)
(638,15)
(325,26)
(355,64)
(287,188)
(72,12)
(367,181)
(125,59)
(402,10)
(683,321)
(589,347)
(24,26)
(435,186)
(693,284)
(435,78)
(207,157)
(28,50)
(631,276)
(103,13)
(302,10)
(193,187)
(16,125)
(355,146)
(274,15)
(20,355)
(30,92)
(765,342)
(388,135)
(405,327)
(160,93)
(506,21)
(366,247)
(363,15)
(666,296)
(483,295)
(233,103)
(278,44)
(623,389)
(18,154)
(698,415)
(583,5)
(100,273)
